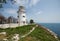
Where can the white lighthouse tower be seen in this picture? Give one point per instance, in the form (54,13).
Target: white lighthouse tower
(21,16)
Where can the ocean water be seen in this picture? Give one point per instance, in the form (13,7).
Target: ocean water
(55,27)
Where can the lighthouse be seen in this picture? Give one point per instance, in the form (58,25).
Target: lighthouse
(22,16)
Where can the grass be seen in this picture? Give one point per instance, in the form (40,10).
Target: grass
(18,30)
(59,37)
(39,34)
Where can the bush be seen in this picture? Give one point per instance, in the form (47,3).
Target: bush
(31,21)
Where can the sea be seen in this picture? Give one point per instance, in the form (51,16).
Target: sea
(55,27)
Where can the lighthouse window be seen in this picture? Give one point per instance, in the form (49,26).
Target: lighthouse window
(23,16)
(24,22)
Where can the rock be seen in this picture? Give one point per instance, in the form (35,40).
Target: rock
(3,33)
(5,39)
(15,37)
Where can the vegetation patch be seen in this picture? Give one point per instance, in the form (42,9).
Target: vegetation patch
(39,34)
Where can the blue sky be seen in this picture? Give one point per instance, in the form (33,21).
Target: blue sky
(42,11)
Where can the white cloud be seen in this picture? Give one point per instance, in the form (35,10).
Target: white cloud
(38,13)
(34,2)
(21,2)
(26,2)
(10,11)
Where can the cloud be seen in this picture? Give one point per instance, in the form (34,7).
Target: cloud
(21,2)
(10,11)
(38,13)
(26,2)
(34,2)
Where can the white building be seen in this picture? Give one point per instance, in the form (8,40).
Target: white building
(21,16)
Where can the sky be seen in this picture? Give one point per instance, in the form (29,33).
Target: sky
(41,11)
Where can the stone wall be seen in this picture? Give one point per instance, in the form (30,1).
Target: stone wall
(11,25)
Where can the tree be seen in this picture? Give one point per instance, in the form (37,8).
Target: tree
(31,21)
(1,3)
(4,1)
(2,19)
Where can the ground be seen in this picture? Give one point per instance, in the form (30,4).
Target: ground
(39,34)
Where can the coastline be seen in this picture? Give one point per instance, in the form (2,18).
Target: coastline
(51,32)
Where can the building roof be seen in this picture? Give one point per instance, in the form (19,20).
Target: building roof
(1,16)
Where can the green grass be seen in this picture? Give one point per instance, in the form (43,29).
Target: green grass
(21,30)
(59,37)
(39,34)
